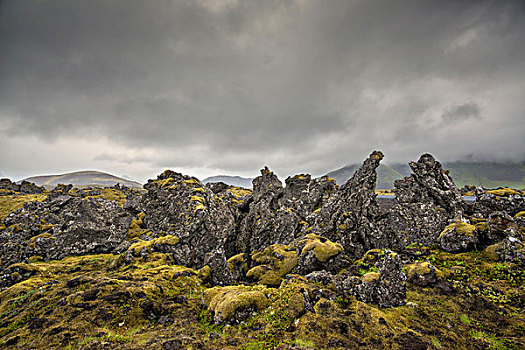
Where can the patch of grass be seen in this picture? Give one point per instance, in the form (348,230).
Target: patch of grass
(464,319)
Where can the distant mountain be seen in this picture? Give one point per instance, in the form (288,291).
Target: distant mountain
(230,180)
(486,174)
(385,174)
(82,178)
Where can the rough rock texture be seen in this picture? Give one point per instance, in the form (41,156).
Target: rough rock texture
(24,187)
(511,249)
(349,216)
(62,226)
(275,213)
(266,223)
(180,205)
(386,288)
(499,226)
(458,237)
(506,199)
(425,202)
(423,274)
(303,195)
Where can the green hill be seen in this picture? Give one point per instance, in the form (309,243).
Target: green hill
(81,179)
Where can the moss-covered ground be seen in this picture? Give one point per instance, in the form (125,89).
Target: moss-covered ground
(99,302)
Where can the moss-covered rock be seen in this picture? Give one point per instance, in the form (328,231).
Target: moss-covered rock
(457,237)
(423,274)
(227,303)
(323,249)
(272,264)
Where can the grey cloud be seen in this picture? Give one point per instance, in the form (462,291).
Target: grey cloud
(462,112)
(298,85)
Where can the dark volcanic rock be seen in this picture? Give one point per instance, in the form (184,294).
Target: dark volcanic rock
(62,226)
(276,213)
(386,288)
(349,216)
(180,205)
(458,237)
(266,222)
(489,201)
(25,187)
(425,202)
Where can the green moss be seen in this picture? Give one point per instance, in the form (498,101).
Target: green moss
(237,260)
(137,228)
(370,277)
(191,182)
(224,302)
(323,249)
(504,192)
(461,228)
(274,263)
(197,199)
(165,182)
(112,194)
(239,192)
(199,207)
(167,240)
(520,214)
(492,251)
(12,203)
(42,236)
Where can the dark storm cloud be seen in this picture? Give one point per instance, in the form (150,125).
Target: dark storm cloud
(299,85)
(462,112)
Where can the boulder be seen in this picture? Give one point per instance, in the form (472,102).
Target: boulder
(502,199)
(423,274)
(458,237)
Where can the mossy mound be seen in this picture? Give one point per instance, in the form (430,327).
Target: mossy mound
(272,264)
(226,302)
(323,248)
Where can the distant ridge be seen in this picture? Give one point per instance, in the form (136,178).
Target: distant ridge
(230,180)
(82,178)
(486,174)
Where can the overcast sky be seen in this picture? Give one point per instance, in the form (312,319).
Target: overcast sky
(225,87)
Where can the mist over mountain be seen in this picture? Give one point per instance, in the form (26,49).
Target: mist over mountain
(486,174)
(230,180)
(82,178)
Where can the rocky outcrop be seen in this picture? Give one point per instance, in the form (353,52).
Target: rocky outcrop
(502,199)
(61,226)
(424,204)
(8,188)
(349,216)
(275,213)
(180,205)
(385,288)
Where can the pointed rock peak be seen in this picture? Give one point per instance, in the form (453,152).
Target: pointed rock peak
(367,172)
(377,156)
(425,163)
(267,181)
(266,171)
